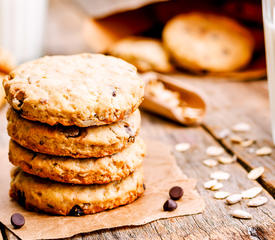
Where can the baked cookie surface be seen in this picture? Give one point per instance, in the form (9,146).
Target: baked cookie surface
(82,90)
(79,171)
(206,42)
(147,54)
(73,141)
(39,194)
(2,92)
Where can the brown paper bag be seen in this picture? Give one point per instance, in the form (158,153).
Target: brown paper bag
(110,21)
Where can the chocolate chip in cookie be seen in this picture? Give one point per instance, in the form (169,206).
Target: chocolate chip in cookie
(76,211)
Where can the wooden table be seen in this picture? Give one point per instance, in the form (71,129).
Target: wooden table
(228,103)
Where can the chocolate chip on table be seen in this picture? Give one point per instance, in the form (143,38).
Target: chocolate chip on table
(114,93)
(176,193)
(170,205)
(17,220)
(76,211)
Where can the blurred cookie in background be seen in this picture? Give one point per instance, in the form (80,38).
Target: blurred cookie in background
(147,54)
(7,62)
(208,42)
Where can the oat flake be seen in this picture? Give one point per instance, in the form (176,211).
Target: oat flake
(238,213)
(226,160)
(234,198)
(264,151)
(182,147)
(255,173)
(210,184)
(214,151)
(241,127)
(257,201)
(252,192)
(210,162)
(221,195)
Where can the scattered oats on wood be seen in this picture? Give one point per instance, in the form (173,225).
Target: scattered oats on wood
(234,198)
(252,192)
(217,186)
(255,173)
(214,151)
(210,162)
(223,133)
(257,201)
(264,151)
(226,160)
(210,184)
(182,147)
(236,139)
(251,150)
(221,195)
(247,142)
(238,213)
(241,127)
(220,175)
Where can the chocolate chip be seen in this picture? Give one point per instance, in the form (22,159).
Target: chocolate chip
(20,96)
(114,93)
(17,220)
(176,193)
(41,142)
(170,205)
(21,198)
(144,186)
(71,132)
(131,139)
(76,211)
(50,206)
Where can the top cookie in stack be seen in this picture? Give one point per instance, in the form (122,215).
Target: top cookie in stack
(83,90)
(74,119)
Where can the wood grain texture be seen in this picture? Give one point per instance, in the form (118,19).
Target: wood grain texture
(215,222)
(229,103)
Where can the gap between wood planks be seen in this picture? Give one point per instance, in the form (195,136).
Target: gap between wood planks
(268,187)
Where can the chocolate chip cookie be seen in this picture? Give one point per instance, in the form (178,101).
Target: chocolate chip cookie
(40,194)
(146,54)
(207,42)
(73,141)
(79,171)
(82,90)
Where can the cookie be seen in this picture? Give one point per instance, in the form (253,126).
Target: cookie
(206,42)
(39,194)
(82,90)
(2,92)
(73,141)
(7,62)
(147,54)
(79,171)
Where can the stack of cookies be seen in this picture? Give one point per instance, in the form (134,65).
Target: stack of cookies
(73,124)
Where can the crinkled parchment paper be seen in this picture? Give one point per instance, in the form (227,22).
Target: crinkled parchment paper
(161,173)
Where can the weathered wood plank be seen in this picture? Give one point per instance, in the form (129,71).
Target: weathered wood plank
(229,103)
(215,222)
